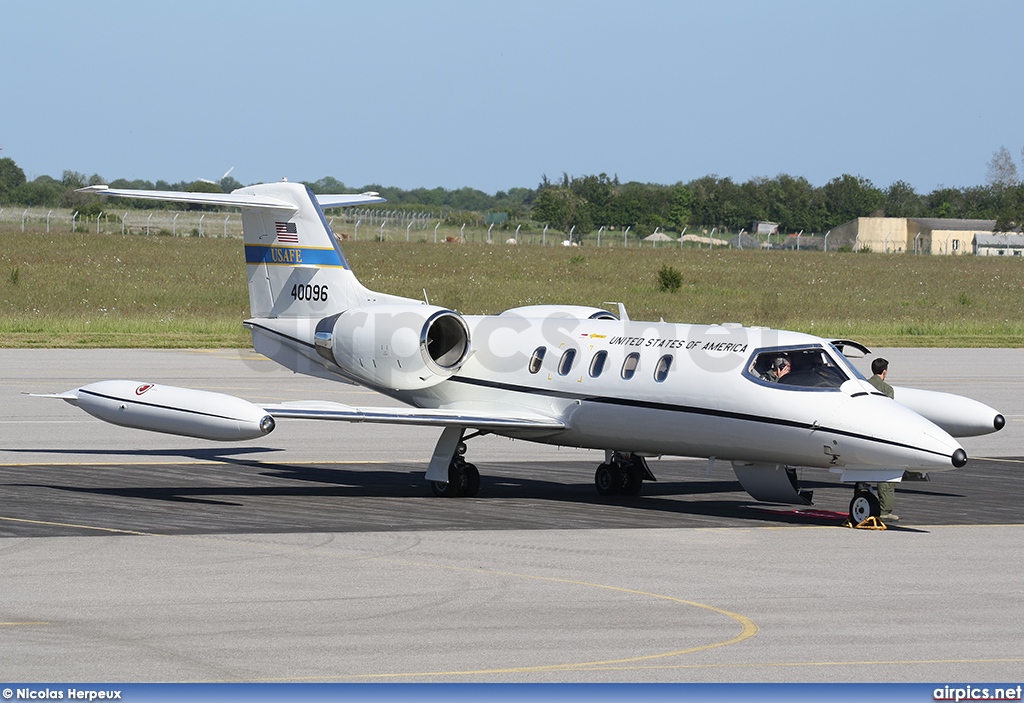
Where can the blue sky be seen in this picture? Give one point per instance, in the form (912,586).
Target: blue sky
(494,95)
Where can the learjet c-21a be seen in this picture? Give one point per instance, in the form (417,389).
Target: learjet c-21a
(565,375)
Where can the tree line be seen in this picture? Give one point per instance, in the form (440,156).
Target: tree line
(583,204)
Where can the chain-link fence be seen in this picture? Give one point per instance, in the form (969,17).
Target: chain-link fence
(166,222)
(373,224)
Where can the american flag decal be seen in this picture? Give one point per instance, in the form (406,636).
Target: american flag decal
(287,232)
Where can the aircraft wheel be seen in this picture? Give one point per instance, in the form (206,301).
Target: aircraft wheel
(463,481)
(863,506)
(607,480)
(443,489)
(470,485)
(632,480)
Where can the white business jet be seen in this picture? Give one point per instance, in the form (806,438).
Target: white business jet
(766,400)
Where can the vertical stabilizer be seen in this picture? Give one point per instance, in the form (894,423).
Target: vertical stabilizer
(296,267)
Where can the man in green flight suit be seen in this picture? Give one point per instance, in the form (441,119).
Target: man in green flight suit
(886,490)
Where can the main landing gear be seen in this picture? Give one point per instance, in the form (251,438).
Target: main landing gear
(451,476)
(463,478)
(622,475)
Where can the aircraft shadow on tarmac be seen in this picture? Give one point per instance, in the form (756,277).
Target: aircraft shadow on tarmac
(236,488)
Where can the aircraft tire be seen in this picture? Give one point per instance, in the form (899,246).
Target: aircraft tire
(607,480)
(443,489)
(470,485)
(463,481)
(863,506)
(632,480)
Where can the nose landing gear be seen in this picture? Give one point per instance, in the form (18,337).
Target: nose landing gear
(863,506)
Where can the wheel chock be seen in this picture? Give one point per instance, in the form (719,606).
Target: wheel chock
(870,523)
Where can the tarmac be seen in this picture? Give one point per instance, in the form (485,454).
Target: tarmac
(318,553)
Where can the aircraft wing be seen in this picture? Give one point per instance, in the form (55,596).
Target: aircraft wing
(484,420)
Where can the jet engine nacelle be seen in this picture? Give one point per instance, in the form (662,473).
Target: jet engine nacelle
(180,411)
(398,347)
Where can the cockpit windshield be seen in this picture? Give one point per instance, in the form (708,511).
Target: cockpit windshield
(846,362)
(811,367)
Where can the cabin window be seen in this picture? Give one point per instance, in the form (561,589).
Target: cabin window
(661,370)
(565,363)
(629,365)
(597,363)
(537,359)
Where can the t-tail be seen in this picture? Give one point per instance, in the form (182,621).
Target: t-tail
(295,264)
(309,311)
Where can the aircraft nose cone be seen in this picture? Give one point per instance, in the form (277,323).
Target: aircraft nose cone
(959,458)
(999,423)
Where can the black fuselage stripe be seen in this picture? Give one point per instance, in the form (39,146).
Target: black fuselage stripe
(691,410)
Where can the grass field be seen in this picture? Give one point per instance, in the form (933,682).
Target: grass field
(109,290)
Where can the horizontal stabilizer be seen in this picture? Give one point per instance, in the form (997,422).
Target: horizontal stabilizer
(347,200)
(326,410)
(225,199)
(236,199)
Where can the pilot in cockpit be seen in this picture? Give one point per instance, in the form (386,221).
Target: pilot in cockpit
(779,368)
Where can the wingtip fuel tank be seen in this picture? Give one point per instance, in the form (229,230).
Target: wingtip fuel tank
(173,410)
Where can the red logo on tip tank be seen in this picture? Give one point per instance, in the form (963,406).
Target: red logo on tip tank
(143,388)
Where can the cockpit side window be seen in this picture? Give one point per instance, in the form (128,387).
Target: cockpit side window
(810,367)
(846,362)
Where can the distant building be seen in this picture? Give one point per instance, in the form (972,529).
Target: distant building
(999,244)
(921,235)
